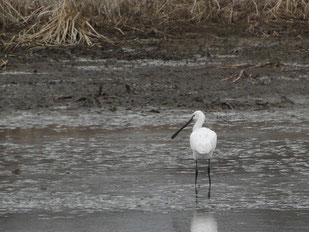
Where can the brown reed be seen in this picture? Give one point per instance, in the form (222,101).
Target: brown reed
(72,22)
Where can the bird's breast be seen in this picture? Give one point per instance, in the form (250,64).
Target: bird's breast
(203,141)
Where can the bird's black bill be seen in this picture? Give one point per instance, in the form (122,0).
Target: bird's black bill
(177,132)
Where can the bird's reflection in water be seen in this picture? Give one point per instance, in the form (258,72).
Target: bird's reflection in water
(204,222)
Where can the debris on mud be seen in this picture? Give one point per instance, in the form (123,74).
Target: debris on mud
(195,71)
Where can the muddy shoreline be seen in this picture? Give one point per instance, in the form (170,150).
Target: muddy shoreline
(85,135)
(196,71)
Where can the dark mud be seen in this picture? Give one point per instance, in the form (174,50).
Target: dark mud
(197,71)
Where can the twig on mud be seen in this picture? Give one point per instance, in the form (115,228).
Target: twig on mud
(241,73)
(235,66)
(260,65)
(3,63)
(100,92)
(111,96)
(236,78)
(245,65)
(64,98)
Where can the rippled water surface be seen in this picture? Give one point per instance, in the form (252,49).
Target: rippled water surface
(103,171)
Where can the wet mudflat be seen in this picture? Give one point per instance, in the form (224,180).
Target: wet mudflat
(95,170)
(189,73)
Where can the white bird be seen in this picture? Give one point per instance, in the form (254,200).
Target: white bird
(203,142)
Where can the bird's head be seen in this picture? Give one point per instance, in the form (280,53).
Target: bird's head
(197,115)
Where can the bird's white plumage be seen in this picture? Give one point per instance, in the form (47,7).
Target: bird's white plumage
(203,141)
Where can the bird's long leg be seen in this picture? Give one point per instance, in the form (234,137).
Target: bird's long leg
(209,187)
(196,174)
(209,173)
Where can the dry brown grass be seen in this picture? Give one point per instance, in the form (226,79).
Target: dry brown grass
(71,22)
(59,23)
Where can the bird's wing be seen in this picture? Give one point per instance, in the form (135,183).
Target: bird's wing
(203,140)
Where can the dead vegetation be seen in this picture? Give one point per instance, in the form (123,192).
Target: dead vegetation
(72,22)
(59,23)
(3,64)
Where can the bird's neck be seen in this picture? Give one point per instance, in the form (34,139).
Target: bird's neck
(199,123)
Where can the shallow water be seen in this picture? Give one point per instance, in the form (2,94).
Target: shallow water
(103,171)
